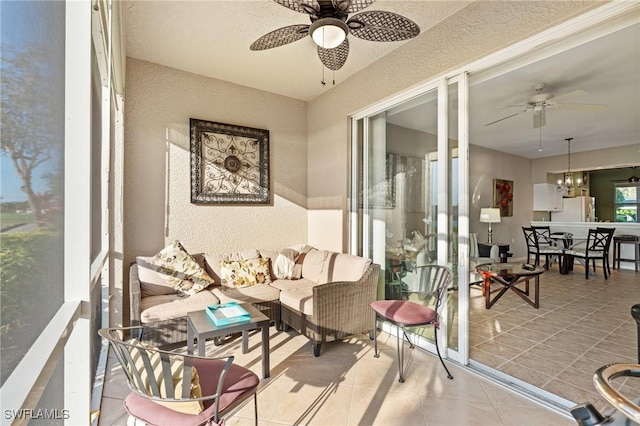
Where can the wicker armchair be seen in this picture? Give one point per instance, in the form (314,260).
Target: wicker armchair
(340,309)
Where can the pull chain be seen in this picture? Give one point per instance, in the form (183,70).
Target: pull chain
(540,149)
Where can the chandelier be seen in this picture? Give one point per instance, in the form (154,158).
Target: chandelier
(567,184)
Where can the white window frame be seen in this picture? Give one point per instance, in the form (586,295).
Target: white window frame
(586,27)
(65,338)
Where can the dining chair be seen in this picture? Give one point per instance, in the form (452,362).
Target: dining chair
(596,248)
(608,245)
(539,243)
(169,388)
(423,309)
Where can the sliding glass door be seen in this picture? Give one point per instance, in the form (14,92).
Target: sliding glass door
(404,210)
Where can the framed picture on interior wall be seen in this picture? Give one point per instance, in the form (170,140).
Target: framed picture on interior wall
(229,164)
(503,196)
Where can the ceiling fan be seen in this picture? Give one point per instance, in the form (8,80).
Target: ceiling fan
(329,28)
(542,101)
(631,179)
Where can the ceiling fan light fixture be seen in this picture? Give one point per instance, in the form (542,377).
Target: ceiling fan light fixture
(328,33)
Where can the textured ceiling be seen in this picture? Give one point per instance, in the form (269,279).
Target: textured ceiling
(607,68)
(212,38)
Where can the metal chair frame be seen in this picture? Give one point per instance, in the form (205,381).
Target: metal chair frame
(163,390)
(597,248)
(434,281)
(539,243)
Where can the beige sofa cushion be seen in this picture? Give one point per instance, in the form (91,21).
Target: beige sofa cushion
(213,261)
(177,308)
(313,263)
(150,301)
(254,294)
(151,282)
(284,285)
(298,299)
(342,267)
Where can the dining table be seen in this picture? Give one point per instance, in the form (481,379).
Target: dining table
(566,242)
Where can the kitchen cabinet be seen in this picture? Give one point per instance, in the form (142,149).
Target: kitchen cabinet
(546,198)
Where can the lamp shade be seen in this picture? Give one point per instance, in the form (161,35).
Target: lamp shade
(490,215)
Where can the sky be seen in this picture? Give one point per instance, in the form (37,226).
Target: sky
(24,24)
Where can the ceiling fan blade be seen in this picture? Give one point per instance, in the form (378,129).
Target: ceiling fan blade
(382,26)
(280,37)
(582,107)
(351,6)
(504,118)
(309,7)
(515,106)
(569,95)
(334,58)
(539,119)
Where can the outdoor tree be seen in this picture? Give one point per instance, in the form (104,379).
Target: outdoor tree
(32,116)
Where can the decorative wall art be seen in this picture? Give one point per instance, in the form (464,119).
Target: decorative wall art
(503,196)
(229,164)
(382,191)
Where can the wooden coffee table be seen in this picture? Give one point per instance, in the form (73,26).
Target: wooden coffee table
(509,275)
(200,327)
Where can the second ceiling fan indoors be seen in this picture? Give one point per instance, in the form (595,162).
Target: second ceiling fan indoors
(330,25)
(542,101)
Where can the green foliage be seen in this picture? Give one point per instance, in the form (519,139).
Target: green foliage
(31,289)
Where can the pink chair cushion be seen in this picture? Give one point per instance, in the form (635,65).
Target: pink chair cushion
(404,312)
(238,382)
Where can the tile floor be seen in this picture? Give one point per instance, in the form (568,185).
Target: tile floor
(580,326)
(346,385)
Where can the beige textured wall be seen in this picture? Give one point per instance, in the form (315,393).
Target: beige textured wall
(481,28)
(486,165)
(159,103)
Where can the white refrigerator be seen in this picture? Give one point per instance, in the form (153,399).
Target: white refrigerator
(577,209)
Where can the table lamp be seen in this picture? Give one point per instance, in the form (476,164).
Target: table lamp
(490,215)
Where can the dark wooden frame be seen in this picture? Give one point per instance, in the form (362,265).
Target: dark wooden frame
(229,164)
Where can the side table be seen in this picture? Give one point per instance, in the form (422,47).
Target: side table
(202,328)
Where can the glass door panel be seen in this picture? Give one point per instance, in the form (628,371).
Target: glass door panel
(453,209)
(395,173)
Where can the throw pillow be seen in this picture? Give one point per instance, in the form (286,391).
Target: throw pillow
(245,273)
(296,273)
(180,269)
(177,375)
(282,262)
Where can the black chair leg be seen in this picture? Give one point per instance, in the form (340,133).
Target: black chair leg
(435,337)
(586,268)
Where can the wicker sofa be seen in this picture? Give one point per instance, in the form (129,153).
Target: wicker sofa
(327,298)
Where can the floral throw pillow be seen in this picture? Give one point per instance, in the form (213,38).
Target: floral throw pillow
(245,273)
(180,269)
